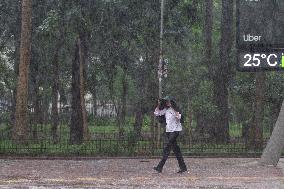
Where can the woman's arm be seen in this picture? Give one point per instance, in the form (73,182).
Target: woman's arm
(159,112)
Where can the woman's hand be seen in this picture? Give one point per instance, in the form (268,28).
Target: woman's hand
(178,115)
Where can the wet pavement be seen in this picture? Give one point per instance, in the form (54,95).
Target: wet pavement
(203,173)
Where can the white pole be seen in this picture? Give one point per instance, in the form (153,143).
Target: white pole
(160,68)
(160,71)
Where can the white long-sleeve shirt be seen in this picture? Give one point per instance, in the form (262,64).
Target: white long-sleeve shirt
(172,119)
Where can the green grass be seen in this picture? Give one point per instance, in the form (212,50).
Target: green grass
(109,127)
(235,130)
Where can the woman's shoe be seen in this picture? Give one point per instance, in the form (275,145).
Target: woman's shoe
(159,170)
(182,171)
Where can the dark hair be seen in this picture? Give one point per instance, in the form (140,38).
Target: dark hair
(174,105)
(162,104)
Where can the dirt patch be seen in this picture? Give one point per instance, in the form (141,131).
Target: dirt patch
(206,173)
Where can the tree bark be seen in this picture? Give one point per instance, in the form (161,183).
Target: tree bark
(138,122)
(17,39)
(20,130)
(203,124)
(272,152)
(222,73)
(77,124)
(37,105)
(16,70)
(55,91)
(95,107)
(35,118)
(207,32)
(45,104)
(256,133)
(92,83)
(123,99)
(82,61)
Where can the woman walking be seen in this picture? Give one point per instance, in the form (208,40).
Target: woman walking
(173,128)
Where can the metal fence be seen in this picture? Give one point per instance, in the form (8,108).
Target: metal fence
(40,143)
(108,143)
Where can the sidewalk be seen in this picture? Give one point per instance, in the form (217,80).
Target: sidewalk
(219,173)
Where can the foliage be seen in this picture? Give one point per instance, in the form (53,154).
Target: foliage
(123,40)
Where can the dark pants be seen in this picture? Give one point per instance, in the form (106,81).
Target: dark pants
(171,142)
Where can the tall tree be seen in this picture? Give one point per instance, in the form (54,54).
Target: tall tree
(207,31)
(60,29)
(80,25)
(55,91)
(16,30)
(202,122)
(222,73)
(124,91)
(83,53)
(256,127)
(78,129)
(20,131)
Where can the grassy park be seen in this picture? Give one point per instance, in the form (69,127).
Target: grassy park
(101,93)
(84,77)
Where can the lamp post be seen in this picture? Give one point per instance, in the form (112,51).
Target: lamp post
(160,67)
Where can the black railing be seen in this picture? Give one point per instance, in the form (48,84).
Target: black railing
(113,143)
(127,146)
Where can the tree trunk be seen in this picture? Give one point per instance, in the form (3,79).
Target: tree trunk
(152,130)
(123,99)
(55,91)
(82,61)
(93,90)
(16,70)
(45,105)
(92,87)
(256,133)
(20,130)
(77,123)
(138,122)
(204,125)
(34,97)
(221,75)
(207,32)
(37,105)
(272,152)
(95,107)
(17,39)
(190,115)
(200,125)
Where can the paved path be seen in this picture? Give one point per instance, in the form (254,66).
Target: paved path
(137,173)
